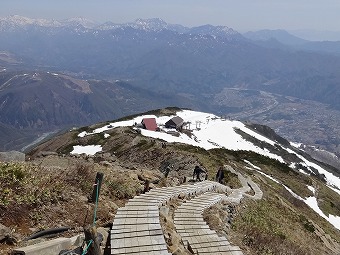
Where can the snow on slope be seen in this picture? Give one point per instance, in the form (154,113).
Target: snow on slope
(332,180)
(310,201)
(210,131)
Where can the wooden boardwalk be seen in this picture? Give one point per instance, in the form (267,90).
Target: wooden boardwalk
(136,228)
(190,225)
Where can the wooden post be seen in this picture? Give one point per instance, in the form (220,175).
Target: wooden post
(91,234)
(98,181)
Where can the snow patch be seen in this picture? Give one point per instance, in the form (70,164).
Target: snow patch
(311,188)
(88,149)
(335,189)
(331,179)
(313,204)
(249,163)
(268,176)
(296,145)
(82,134)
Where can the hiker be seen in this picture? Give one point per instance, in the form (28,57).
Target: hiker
(146,186)
(197,173)
(220,174)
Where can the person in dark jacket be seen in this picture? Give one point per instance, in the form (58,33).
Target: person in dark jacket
(197,173)
(220,174)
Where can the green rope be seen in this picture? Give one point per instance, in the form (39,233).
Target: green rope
(87,247)
(96,205)
(94,215)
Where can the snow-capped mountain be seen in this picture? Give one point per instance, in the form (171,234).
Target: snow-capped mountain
(14,22)
(216,31)
(148,25)
(17,22)
(86,23)
(155,24)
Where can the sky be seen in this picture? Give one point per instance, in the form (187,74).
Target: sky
(241,15)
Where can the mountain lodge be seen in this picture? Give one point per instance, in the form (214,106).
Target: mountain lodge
(150,124)
(175,122)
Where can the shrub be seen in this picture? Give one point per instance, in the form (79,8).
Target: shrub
(11,173)
(123,188)
(96,139)
(82,176)
(66,149)
(19,185)
(144,144)
(306,223)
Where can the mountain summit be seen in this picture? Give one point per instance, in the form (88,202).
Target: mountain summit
(154,24)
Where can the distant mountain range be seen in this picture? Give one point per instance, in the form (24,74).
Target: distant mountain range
(280,35)
(316,35)
(155,56)
(210,68)
(281,39)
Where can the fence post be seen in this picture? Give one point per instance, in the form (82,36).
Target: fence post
(91,237)
(98,181)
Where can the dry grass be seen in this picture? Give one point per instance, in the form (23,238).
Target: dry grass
(277,224)
(264,228)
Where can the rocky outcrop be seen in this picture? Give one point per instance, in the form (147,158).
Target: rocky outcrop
(4,232)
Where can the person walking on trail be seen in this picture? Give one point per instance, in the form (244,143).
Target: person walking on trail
(220,174)
(197,173)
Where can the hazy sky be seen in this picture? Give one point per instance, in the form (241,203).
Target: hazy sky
(241,15)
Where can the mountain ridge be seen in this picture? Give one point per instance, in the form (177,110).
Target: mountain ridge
(280,38)
(151,24)
(260,139)
(204,130)
(130,156)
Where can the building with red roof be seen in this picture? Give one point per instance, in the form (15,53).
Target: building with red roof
(150,124)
